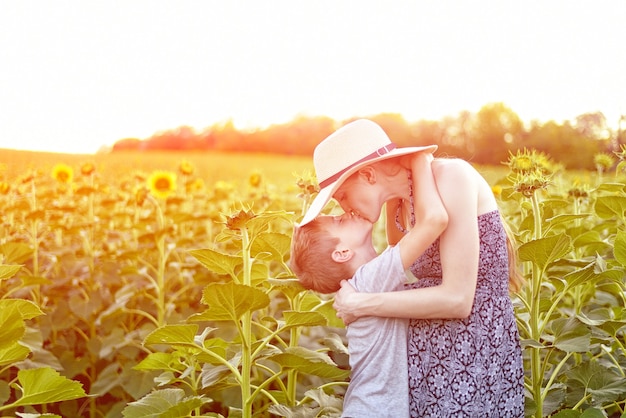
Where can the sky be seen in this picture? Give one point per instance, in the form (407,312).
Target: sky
(77,76)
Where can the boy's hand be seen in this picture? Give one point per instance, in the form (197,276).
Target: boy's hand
(342,302)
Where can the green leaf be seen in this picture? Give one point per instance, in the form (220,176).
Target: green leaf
(13,353)
(583,275)
(8,271)
(291,361)
(309,362)
(16,252)
(164,403)
(229,301)
(258,274)
(217,262)
(12,327)
(35,280)
(593,376)
(527,342)
(592,413)
(619,247)
(25,308)
(261,222)
(570,335)
(303,319)
(173,335)
(565,219)
(567,413)
(544,251)
(323,405)
(613,327)
(585,237)
(335,343)
(272,242)
(137,383)
(553,400)
(290,287)
(156,361)
(218,347)
(5,391)
(607,207)
(610,392)
(213,374)
(108,378)
(611,187)
(45,385)
(313,302)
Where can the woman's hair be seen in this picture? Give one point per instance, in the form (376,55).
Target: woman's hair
(311,259)
(516,280)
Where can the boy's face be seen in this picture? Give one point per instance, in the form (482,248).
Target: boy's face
(353,231)
(358,196)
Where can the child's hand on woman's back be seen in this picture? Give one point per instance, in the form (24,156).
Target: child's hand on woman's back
(344,302)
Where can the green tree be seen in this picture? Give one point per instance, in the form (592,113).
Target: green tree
(494,130)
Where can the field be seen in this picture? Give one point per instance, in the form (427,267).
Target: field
(210,166)
(156,284)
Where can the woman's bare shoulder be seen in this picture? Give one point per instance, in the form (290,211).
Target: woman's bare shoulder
(453,167)
(458,173)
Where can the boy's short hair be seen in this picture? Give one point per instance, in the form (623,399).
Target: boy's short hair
(311,258)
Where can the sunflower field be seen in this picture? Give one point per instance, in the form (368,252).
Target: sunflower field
(145,285)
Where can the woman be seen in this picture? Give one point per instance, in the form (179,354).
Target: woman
(464,352)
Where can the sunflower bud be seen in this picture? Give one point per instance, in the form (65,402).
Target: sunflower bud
(237,221)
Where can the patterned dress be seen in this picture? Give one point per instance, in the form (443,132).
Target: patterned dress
(468,367)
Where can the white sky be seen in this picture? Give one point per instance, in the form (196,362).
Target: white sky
(77,75)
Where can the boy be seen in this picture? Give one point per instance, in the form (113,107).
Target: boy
(330,249)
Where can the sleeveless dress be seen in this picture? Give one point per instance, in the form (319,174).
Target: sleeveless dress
(468,367)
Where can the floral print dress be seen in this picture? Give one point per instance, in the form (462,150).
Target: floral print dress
(468,367)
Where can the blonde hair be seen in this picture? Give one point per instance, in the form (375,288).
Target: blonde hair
(516,280)
(311,259)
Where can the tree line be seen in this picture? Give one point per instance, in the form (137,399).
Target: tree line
(485,137)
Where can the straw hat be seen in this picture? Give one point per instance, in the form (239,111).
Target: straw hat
(343,152)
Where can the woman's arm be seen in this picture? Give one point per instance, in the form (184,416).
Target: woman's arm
(459,247)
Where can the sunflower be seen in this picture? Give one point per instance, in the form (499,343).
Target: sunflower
(255,179)
(87,168)
(4,187)
(63,173)
(222,190)
(603,161)
(162,183)
(140,195)
(186,168)
(195,185)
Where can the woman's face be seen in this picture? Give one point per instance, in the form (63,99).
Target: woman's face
(358,196)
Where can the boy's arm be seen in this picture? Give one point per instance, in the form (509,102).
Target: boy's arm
(431,217)
(394,235)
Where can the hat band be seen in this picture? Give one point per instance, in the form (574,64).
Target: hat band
(378,153)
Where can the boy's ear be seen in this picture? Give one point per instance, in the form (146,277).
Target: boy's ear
(342,256)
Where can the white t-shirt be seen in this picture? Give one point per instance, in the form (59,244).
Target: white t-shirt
(378,347)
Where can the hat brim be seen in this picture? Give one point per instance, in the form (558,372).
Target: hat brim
(325,194)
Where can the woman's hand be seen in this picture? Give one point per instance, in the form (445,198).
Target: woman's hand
(345,303)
